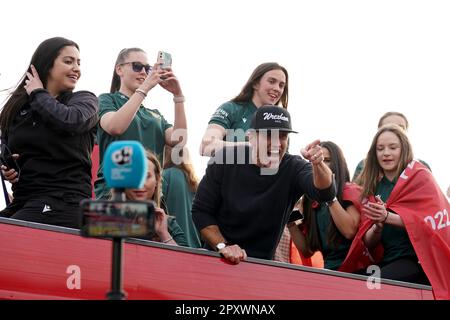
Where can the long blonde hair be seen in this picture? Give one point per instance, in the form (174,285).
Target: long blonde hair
(372,171)
(158,175)
(185,166)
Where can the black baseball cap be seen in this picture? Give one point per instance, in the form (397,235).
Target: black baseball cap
(271,117)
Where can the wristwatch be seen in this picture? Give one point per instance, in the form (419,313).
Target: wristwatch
(329,203)
(220,246)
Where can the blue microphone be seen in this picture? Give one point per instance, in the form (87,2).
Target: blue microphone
(125,165)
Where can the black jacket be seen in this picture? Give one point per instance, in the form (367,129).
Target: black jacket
(54,139)
(251,209)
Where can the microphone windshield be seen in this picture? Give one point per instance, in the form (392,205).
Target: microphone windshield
(125,165)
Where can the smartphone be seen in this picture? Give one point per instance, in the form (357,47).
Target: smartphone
(164,59)
(7,160)
(117,219)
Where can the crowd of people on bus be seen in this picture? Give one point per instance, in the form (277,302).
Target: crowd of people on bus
(243,204)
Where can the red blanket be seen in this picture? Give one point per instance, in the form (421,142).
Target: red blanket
(352,193)
(425,212)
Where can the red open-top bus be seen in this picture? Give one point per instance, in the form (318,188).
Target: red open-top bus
(39,261)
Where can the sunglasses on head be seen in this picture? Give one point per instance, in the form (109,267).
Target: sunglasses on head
(137,66)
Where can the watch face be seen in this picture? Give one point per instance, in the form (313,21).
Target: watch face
(221,246)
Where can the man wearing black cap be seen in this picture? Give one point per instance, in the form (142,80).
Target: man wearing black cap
(248,192)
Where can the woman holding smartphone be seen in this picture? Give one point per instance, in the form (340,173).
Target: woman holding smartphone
(403,217)
(388,156)
(267,85)
(50,131)
(124,117)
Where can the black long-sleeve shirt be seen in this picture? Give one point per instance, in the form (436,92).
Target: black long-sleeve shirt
(250,208)
(54,139)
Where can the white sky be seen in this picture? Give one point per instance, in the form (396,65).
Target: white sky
(348,61)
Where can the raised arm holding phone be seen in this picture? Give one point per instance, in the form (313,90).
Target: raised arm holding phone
(123,115)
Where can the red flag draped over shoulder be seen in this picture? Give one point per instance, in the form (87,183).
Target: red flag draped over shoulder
(424,210)
(352,193)
(358,256)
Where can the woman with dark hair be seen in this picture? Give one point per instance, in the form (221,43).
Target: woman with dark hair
(50,131)
(179,186)
(330,227)
(267,85)
(166,227)
(124,117)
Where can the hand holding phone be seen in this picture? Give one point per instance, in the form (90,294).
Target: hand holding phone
(7,158)
(10,168)
(378,198)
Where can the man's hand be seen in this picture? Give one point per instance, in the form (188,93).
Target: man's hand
(233,253)
(313,152)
